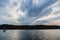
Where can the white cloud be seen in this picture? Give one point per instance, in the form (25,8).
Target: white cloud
(15,12)
(11,10)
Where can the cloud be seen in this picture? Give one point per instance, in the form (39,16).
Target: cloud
(9,11)
(36,10)
(27,11)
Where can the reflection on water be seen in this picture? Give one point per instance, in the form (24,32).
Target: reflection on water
(30,35)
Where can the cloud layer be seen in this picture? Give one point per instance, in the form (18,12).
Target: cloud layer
(26,12)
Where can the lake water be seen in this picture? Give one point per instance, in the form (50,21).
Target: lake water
(30,34)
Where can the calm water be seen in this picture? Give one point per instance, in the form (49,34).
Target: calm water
(30,35)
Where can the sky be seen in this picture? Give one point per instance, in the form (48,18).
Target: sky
(29,12)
